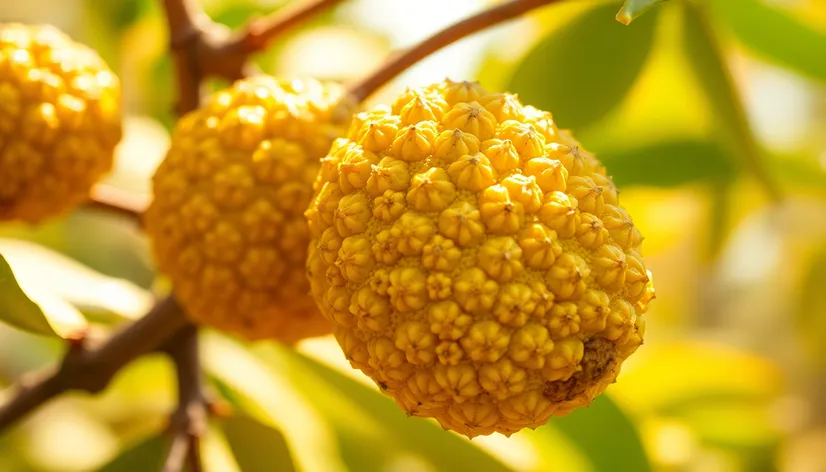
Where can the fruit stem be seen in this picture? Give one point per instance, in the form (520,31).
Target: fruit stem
(403,60)
(186,21)
(189,421)
(91,369)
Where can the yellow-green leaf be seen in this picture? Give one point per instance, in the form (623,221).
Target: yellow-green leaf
(654,385)
(66,284)
(141,456)
(811,307)
(256,446)
(268,395)
(216,453)
(17,309)
(399,437)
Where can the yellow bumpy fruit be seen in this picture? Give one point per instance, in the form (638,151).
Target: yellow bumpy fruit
(226,221)
(475,260)
(59,121)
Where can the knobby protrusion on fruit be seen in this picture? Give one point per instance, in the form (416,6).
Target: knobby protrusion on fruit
(226,222)
(60,121)
(475,260)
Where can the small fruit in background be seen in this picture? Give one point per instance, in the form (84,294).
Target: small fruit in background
(475,260)
(60,121)
(226,221)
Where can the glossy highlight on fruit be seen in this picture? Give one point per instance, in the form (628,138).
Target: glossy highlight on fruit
(226,221)
(475,260)
(60,121)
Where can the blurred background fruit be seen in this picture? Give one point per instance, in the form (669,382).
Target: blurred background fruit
(59,123)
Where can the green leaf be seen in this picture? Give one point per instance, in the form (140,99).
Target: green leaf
(603,433)
(236,14)
(333,415)
(802,171)
(706,56)
(119,14)
(17,309)
(269,396)
(216,452)
(11,455)
(352,423)
(775,35)
(732,423)
(257,447)
(411,436)
(654,386)
(668,164)
(148,454)
(139,457)
(632,9)
(581,71)
(56,279)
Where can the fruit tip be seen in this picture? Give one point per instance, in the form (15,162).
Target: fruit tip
(624,17)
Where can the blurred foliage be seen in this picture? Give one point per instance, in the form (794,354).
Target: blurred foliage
(731,375)
(566,71)
(669,164)
(705,53)
(775,35)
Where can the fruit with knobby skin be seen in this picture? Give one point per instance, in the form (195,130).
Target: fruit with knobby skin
(475,260)
(226,220)
(60,121)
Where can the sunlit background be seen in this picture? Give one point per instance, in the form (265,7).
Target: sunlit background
(732,376)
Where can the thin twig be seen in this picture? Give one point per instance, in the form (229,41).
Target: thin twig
(188,422)
(405,59)
(91,369)
(261,32)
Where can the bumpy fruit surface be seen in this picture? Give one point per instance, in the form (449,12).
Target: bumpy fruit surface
(475,260)
(226,221)
(59,121)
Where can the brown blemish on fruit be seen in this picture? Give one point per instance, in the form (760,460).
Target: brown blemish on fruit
(599,360)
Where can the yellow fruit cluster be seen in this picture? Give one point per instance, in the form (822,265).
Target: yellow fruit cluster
(59,121)
(226,222)
(475,259)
